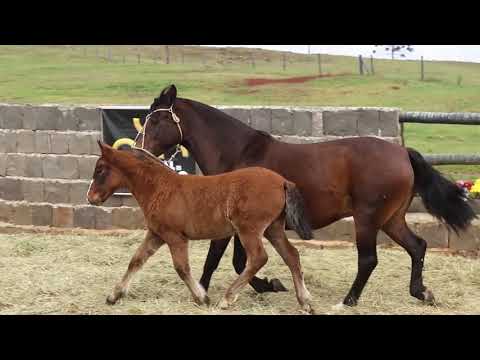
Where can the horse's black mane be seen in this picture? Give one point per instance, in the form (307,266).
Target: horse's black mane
(221,117)
(218,121)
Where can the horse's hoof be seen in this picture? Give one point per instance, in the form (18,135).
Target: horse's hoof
(349,301)
(428,297)
(277,285)
(206,300)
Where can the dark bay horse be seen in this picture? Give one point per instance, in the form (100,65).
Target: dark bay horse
(250,202)
(365,177)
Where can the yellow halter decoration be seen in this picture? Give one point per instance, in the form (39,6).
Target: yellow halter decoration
(141,130)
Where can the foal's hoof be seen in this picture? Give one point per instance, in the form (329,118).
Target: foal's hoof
(428,298)
(277,285)
(338,307)
(111,300)
(204,301)
(226,303)
(223,304)
(307,309)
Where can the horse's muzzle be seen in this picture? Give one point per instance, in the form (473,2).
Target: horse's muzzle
(94,200)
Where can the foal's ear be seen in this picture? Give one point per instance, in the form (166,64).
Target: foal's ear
(168,95)
(104,148)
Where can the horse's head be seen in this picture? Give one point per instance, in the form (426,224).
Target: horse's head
(106,177)
(162,129)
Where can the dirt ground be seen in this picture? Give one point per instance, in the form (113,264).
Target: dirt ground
(71,273)
(290,80)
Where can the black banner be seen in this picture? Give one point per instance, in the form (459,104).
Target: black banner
(120,127)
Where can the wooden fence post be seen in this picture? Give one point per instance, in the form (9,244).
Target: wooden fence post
(371,65)
(319,58)
(284,61)
(422,69)
(360,63)
(252,60)
(138,58)
(167,55)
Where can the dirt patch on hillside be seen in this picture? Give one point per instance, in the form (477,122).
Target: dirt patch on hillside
(291,80)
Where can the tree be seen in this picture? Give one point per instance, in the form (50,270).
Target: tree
(393,49)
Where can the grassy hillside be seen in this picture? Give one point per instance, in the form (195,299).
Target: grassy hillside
(84,75)
(61,74)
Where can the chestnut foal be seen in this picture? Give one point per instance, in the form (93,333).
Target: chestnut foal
(250,202)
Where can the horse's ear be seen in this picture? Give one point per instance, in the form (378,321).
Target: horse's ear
(169,94)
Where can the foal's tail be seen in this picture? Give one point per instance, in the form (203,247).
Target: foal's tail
(441,197)
(295,212)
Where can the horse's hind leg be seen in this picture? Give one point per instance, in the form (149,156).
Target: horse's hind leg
(366,238)
(149,246)
(259,285)
(416,247)
(215,253)
(256,258)
(179,250)
(276,235)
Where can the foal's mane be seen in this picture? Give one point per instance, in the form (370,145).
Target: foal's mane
(148,157)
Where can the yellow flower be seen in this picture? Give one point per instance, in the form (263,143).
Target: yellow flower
(476,187)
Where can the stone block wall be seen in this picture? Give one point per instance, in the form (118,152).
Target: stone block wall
(48,154)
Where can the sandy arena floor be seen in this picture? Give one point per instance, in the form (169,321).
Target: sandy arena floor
(73,274)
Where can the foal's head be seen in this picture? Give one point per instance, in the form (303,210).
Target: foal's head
(106,177)
(161,130)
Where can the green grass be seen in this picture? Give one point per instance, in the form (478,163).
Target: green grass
(74,75)
(443,139)
(73,274)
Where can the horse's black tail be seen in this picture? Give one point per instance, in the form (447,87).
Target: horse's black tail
(441,197)
(296,216)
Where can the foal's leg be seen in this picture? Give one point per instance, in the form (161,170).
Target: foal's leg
(366,238)
(215,253)
(179,250)
(416,247)
(256,258)
(276,235)
(260,285)
(149,246)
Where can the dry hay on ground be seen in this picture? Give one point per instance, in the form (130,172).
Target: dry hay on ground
(73,274)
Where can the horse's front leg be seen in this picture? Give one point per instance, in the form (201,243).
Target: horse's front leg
(149,246)
(179,250)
